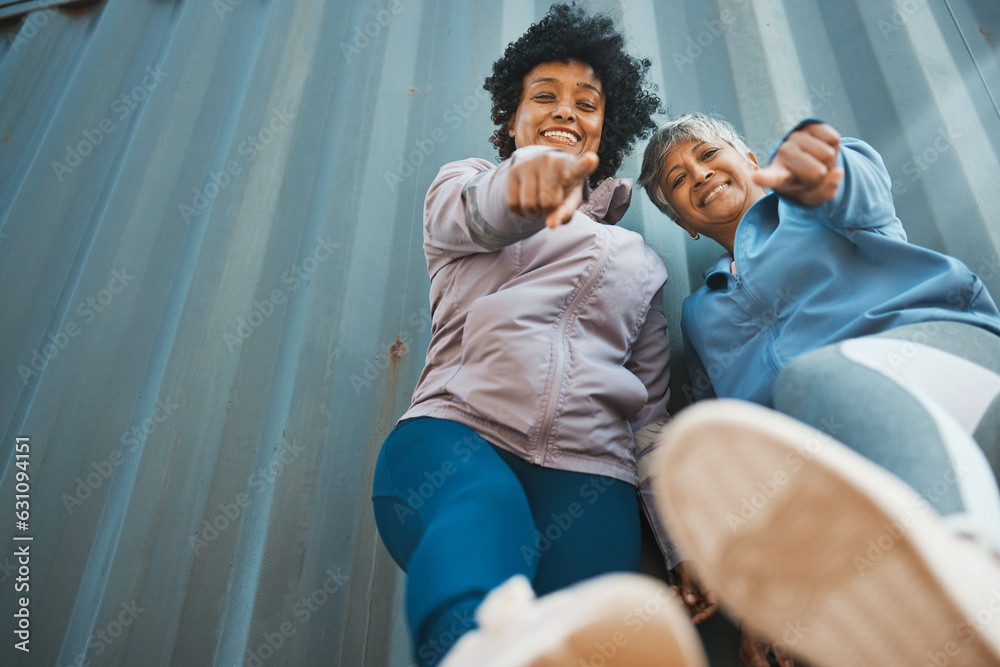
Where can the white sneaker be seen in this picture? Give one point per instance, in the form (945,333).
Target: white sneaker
(615,619)
(823,551)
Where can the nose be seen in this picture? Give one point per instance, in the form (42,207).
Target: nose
(701,174)
(563,110)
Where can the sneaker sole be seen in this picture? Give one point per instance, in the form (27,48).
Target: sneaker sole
(821,550)
(615,619)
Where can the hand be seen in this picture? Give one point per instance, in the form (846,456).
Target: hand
(701,606)
(804,168)
(550,184)
(753,651)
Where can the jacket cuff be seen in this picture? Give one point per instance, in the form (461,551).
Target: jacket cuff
(489,221)
(646,440)
(803,123)
(671,556)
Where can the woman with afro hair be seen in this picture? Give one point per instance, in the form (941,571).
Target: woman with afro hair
(516,461)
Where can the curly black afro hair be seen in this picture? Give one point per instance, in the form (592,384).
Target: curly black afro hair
(566,32)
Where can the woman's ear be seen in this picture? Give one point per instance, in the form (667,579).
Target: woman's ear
(511,124)
(686,229)
(753,159)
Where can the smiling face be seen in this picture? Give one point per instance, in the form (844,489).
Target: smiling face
(709,185)
(562,105)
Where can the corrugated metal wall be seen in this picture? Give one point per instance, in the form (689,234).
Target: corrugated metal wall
(214,301)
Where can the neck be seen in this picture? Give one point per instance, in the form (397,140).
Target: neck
(726,237)
(726,240)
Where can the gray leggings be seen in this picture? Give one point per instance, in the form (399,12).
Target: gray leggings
(888,422)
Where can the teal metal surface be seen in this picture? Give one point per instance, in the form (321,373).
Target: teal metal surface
(41,11)
(214,300)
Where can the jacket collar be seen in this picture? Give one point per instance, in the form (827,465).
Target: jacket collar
(718,274)
(609,201)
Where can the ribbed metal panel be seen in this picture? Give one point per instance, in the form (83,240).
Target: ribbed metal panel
(15,8)
(214,297)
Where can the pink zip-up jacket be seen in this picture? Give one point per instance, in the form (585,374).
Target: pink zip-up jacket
(550,343)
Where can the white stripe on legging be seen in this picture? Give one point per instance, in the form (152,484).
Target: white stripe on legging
(956,392)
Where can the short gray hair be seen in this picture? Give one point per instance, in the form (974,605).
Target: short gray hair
(692,126)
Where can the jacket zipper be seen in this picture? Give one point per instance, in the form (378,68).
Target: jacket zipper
(751,297)
(755,303)
(772,316)
(560,356)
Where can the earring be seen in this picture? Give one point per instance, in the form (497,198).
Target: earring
(695,236)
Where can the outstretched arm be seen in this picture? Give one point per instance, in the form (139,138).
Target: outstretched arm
(549,184)
(838,181)
(473,208)
(804,168)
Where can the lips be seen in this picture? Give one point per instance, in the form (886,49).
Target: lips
(711,194)
(561,135)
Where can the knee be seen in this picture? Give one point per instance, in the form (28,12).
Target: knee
(806,377)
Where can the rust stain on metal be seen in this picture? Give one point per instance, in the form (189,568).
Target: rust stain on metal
(986,33)
(80,7)
(397,350)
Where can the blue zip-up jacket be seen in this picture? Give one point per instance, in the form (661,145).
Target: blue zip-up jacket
(809,277)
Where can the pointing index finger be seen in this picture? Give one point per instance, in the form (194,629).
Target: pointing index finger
(772,176)
(582,167)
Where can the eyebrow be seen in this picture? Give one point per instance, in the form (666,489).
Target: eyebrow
(549,79)
(694,149)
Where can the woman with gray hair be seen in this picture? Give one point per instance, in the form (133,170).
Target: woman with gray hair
(821,309)
(698,127)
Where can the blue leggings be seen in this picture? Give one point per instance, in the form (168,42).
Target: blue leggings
(848,390)
(461,516)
